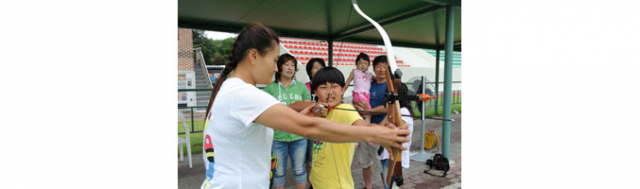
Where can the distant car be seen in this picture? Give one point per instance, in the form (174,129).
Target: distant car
(214,72)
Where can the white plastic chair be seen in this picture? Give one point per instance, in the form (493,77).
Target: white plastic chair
(186,140)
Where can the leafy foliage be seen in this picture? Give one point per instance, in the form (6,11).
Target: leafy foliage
(215,52)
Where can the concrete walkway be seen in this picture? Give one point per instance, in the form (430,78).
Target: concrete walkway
(413,177)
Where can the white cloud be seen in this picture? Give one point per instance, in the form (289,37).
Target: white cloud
(219,35)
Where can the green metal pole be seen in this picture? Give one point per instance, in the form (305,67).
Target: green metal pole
(448,64)
(437,79)
(330,41)
(437,32)
(192,122)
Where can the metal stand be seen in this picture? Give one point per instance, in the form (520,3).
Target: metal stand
(422,156)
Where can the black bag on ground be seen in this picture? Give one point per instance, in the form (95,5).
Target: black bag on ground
(439,162)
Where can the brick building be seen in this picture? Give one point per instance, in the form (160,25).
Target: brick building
(185,49)
(186,73)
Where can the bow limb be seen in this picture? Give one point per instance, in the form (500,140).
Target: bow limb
(383,34)
(393,108)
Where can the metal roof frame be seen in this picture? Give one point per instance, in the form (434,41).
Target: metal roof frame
(403,18)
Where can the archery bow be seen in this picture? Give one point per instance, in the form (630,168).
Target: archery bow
(378,113)
(390,97)
(393,108)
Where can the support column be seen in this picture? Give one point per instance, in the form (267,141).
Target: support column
(437,79)
(330,41)
(448,59)
(438,48)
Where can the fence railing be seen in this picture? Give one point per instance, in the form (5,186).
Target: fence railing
(192,108)
(192,118)
(201,62)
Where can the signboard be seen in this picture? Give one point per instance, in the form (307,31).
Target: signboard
(186,80)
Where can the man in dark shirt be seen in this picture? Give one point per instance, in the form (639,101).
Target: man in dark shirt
(376,92)
(378,88)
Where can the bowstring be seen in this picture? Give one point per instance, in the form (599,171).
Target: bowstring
(345,26)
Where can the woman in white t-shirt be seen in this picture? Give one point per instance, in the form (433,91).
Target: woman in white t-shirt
(240,123)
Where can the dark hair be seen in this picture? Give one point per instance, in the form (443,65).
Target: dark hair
(283,59)
(380,59)
(255,36)
(327,74)
(403,90)
(362,56)
(310,66)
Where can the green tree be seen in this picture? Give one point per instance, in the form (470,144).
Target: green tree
(215,52)
(199,36)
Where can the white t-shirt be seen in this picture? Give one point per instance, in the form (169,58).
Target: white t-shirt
(405,153)
(242,147)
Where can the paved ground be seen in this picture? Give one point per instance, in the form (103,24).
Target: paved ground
(414,177)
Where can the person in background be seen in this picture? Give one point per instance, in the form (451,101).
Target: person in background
(312,67)
(286,145)
(406,109)
(361,80)
(377,91)
(365,152)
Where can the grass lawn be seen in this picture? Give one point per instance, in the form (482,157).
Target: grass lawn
(196,138)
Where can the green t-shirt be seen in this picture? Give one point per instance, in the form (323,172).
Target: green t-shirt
(297,91)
